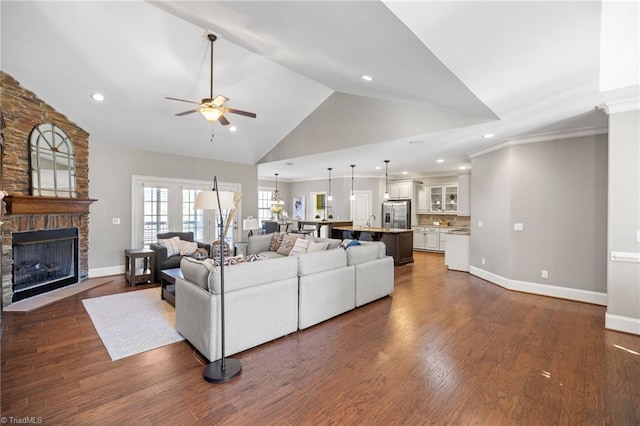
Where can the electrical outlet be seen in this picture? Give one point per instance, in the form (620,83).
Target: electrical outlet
(518,227)
(115,220)
(480,226)
(544,273)
(483,261)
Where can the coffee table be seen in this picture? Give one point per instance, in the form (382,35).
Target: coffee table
(168,284)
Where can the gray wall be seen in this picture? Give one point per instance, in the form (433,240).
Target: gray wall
(558,191)
(110,171)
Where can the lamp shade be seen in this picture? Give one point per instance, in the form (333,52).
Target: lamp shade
(250,223)
(207,200)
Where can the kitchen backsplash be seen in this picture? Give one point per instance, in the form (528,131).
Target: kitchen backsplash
(461,221)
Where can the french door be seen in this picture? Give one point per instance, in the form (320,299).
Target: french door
(166,205)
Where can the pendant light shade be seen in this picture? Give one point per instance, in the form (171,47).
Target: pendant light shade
(386,179)
(276,199)
(352,197)
(330,197)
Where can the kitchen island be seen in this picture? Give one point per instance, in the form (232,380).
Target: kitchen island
(330,224)
(399,242)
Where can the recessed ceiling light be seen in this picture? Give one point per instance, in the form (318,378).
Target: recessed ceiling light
(232,129)
(367,77)
(488,136)
(378,167)
(462,167)
(98,97)
(439,160)
(405,173)
(416,142)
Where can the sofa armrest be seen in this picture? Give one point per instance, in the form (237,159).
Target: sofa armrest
(160,257)
(196,317)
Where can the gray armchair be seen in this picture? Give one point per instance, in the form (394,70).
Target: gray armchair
(162,261)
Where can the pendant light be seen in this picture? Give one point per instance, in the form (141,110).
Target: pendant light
(352,197)
(276,199)
(330,197)
(386,179)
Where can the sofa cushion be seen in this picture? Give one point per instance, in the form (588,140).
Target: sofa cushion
(271,254)
(320,261)
(172,244)
(301,246)
(316,246)
(288,241)
(361,254)
(382,247)
(187,248)
(276,240)
(249,274)
(258,243)
(197,271)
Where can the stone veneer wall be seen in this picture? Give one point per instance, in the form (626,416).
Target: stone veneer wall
(22,111)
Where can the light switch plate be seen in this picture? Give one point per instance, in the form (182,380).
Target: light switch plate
(518,227)
(115,221)
(479,224)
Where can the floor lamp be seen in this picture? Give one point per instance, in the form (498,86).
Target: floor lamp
(224,369)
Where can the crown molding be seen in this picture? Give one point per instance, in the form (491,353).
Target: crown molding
(542,137)
(625,105)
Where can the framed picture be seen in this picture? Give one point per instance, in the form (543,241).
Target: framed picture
(298,208)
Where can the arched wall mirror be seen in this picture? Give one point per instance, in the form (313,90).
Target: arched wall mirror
(53,166)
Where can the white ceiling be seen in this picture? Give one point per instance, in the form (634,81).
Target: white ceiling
(448,73)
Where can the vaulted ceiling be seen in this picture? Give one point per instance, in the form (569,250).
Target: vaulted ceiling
(444,74)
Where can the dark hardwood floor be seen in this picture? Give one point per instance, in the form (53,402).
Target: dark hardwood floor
(445,348)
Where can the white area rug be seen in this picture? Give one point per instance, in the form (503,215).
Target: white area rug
(133,322)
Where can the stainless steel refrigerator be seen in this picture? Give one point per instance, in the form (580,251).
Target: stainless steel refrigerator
(396,214)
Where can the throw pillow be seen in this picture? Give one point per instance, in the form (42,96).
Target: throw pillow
(288,242)
(317,247)
(239,259)
(172,245)
(187,248)
(352,243)
(301,246)
(276,240)
(254,257)
(196,271)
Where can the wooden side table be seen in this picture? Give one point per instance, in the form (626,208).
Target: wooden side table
(168,284)
(135,275)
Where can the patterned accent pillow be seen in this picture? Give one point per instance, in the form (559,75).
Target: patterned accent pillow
(288,242)
(276,240)
(239,259)
(317,247)
(301,246)
(172,245)
(187,248)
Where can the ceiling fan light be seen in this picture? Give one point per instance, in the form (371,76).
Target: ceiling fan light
(211,114)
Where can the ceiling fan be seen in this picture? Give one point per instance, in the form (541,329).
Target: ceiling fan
(212,108)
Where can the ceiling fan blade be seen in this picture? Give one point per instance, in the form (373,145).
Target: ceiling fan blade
(180,114)
(182,100)
(219,100)
(237,111)
(223,120)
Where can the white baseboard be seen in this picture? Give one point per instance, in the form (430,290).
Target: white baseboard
(620,323)
(106,271)
(578,295)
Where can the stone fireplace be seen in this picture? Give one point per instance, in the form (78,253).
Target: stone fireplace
(23,213)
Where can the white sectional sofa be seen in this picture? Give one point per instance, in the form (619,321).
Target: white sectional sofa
(271,298)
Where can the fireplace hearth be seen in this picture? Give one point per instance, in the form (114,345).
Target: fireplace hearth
(44,261)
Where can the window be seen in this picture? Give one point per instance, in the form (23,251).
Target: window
(192,220)
(156,213)
(265,196)
(166,205)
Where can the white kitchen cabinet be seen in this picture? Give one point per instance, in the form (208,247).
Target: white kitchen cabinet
(443,244)
(456,256)
(443,199)
(419,238)
(432,239)
(401,190)
(422,200)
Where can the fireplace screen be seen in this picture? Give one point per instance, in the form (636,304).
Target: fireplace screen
(44,261)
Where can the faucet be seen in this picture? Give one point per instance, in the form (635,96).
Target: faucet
(368,224)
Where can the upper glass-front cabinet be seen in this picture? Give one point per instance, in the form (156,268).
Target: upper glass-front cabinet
(443,198)
(451,198)
(53,164)
(435,199)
